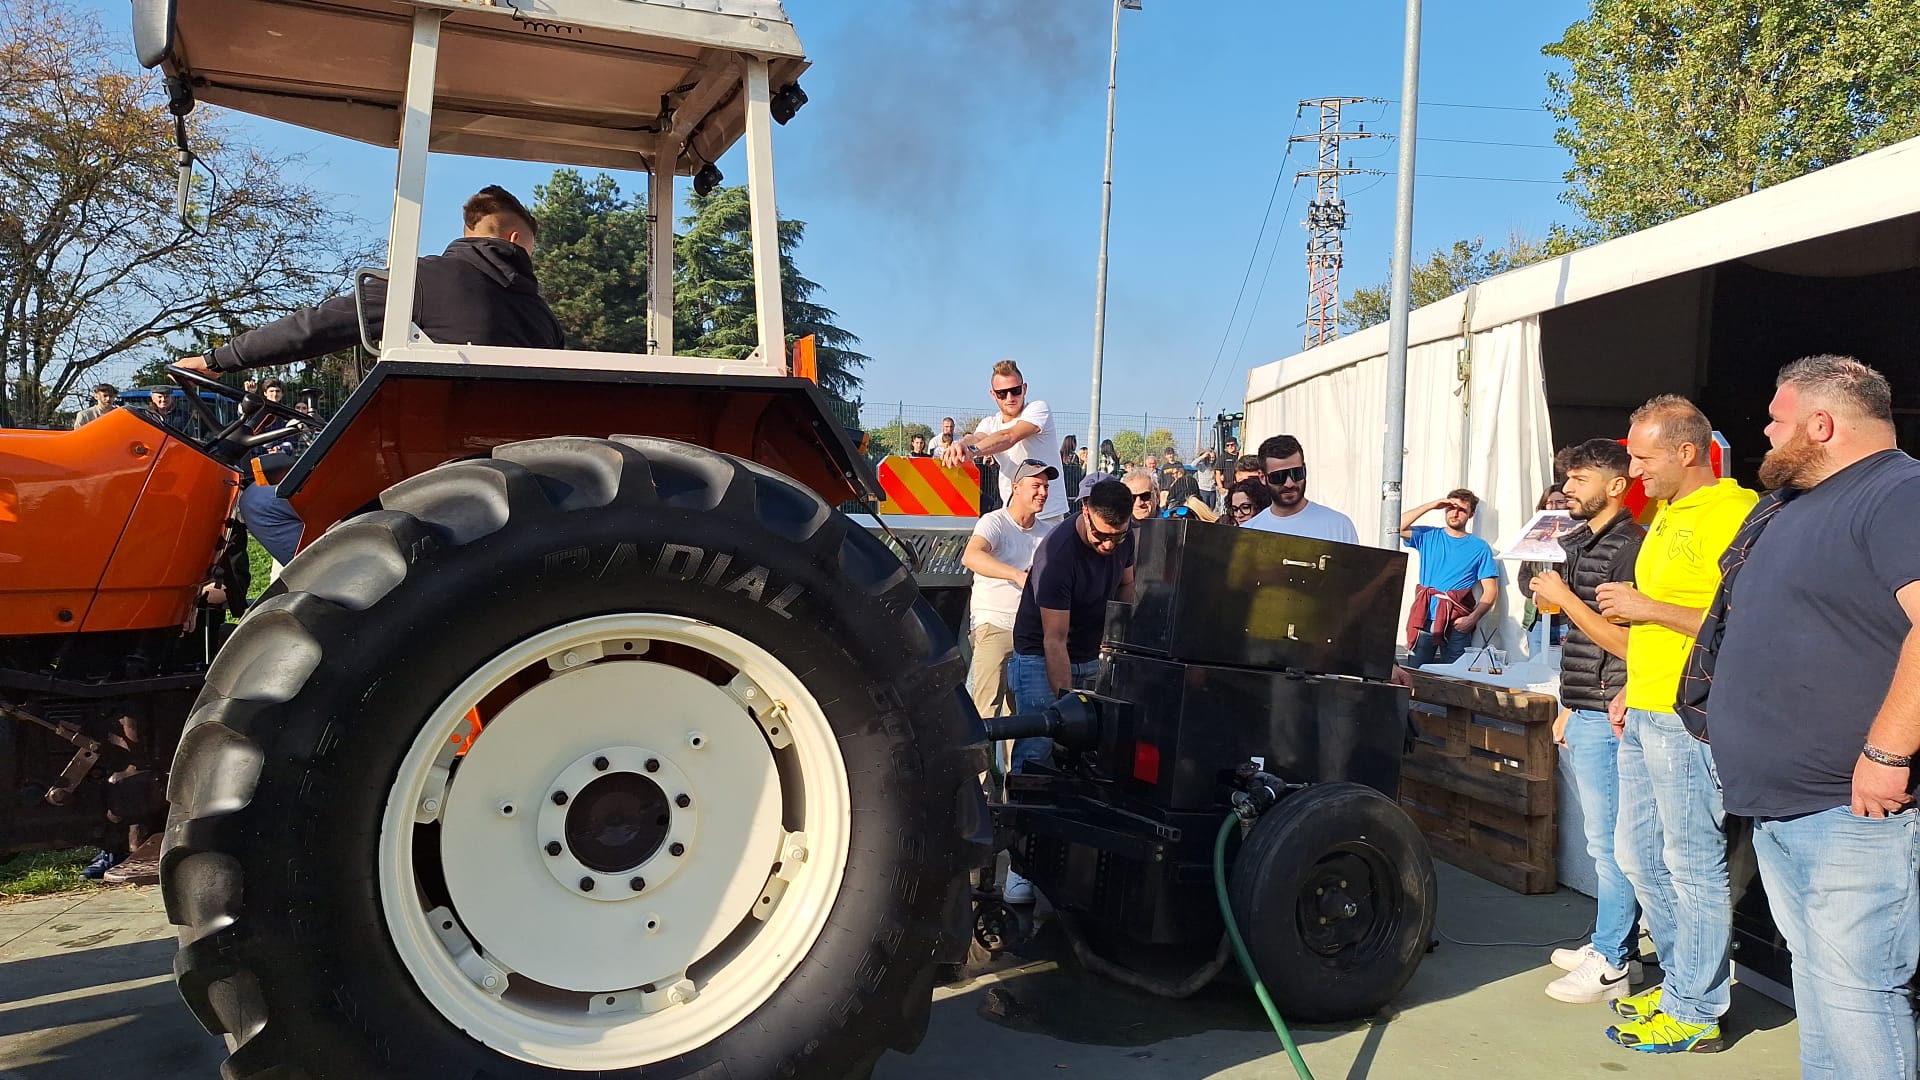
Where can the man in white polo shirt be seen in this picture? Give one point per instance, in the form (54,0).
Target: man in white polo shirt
(1021,430)
(1284,464)
(1000,553)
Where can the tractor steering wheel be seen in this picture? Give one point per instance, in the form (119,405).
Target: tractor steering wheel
(227,442)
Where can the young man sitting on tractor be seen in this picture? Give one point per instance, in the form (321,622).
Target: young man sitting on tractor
(481,291)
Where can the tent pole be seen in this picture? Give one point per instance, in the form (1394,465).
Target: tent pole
(1393,454)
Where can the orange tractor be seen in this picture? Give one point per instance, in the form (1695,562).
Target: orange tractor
(584,735)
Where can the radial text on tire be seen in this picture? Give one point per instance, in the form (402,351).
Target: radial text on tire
(619,757)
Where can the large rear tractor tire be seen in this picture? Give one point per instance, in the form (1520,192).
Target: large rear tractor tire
(1334,892)
(609,757)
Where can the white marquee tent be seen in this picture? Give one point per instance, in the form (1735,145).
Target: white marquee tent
(1709,306)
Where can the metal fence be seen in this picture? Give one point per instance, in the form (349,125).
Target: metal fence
(895,423)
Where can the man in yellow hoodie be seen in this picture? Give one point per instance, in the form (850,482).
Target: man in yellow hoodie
(1670,837)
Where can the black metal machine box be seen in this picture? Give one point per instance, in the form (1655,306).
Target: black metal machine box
(1191,724)
(1210,594)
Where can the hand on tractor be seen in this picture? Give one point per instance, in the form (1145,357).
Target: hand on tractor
(198,364)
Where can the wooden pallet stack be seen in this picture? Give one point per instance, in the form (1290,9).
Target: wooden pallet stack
(1480,779)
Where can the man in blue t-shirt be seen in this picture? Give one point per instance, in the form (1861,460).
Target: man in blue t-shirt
(1452,561)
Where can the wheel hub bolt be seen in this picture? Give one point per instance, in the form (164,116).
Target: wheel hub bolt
(600,763)
(653,765)
(677,848)
(683,801)
(559,798)
(586,884)
(639,884)
(553,847)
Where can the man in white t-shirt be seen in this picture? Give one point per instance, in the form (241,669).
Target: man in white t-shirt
(1021,430)
(1000,553)
(1285,466)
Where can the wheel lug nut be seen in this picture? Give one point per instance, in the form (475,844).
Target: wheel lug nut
(683,801)
(553,847)
(676,848)
(559,798)
(639,884)
(600,763)
(586,884)
(653,765)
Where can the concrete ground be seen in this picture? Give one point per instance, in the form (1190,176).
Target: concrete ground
(86,994)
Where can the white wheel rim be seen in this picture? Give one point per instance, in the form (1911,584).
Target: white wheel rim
(650,960)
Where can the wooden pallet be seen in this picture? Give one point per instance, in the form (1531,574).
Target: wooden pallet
(1480,779)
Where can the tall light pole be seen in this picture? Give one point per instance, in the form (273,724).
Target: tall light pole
(1106,215)
(1393,454)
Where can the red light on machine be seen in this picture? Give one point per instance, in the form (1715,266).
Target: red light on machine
(1146,763)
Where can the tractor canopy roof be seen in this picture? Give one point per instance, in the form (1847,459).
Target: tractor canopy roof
(595,83)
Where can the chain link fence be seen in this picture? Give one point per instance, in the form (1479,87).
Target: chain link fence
(891,427)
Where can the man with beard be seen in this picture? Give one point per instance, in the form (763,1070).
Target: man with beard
(1020,429)
(1593,668)
(1284,465)
(1812,658)
(1671,838)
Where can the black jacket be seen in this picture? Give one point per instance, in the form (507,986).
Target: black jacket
(481,292)
(1590,675)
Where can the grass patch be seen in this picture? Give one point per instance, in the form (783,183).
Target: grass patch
(38,873)
(260,565)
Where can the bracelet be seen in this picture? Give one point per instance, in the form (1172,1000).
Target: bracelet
(1883,757)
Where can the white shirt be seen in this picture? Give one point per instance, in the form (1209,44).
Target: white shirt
(996,600)
(1041,446)
(1312,520)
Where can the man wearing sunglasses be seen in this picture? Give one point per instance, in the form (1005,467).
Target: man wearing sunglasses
(1285,468)
(1021,430)
(1146,493)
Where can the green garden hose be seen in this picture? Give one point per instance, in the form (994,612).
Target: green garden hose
(1240,948)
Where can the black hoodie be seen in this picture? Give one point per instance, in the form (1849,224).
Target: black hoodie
(481,292)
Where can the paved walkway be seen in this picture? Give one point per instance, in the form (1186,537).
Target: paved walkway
(86,994)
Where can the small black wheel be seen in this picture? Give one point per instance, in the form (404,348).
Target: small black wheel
(999,926)
(1334,892)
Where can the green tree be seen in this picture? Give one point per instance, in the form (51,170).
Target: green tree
(897,438)
(713,298)
(1445,272)
(1668,107)
(592,260)
(94,266)
(1132,446)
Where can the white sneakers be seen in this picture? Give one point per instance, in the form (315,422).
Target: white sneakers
(1589,977)
(1019,890)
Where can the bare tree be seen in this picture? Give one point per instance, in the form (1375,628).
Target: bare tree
(94,263)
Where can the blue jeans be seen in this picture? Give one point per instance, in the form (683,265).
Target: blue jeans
(271,520)
(1428,648)
(1671,841)
(1594,756)
(1027,675)
(1845,892)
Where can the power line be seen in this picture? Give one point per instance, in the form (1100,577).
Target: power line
(1253,255)
(1488,179)
(1484,142)
(1459,105)
(1261,292)
(1326,217)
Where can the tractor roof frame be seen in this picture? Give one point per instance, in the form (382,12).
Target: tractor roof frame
(662,86)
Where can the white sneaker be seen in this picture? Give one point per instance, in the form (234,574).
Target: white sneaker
(1593,980)
(1571,959)
(1018,891)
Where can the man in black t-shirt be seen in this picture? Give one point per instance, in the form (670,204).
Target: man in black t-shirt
(1080,566)
(1814,709)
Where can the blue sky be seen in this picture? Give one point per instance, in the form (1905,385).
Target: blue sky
(948,169)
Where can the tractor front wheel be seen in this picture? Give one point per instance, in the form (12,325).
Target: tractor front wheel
(610,757)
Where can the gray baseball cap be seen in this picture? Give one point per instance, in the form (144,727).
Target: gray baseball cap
(1034,467)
